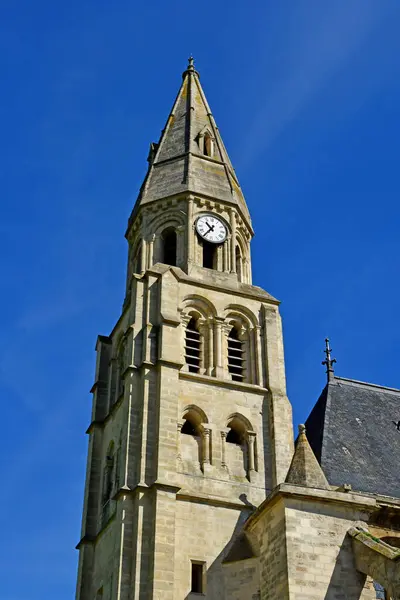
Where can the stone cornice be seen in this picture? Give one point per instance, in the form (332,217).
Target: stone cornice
(284,490)
(226,383)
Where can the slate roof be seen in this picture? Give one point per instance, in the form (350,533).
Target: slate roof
(352,434)
(177,163)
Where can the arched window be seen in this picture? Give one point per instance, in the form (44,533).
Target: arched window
(235,355)
(208,145)
(193,346)
(238,257)
(241,447)
(169,244)
(209,255)
(193,446)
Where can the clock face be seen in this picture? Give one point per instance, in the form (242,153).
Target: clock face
(211,229)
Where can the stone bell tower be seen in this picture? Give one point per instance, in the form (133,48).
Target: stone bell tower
(191,426)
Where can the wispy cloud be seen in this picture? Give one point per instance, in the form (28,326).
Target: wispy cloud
(321,38)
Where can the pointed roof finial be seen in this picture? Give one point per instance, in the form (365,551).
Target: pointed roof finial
(190,67)
(329,362)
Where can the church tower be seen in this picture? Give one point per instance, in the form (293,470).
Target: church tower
(191,427)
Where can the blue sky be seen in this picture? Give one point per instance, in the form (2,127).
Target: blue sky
(306,95)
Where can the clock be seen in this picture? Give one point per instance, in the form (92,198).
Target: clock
(211,228)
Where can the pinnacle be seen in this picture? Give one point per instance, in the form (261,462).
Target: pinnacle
(305,469)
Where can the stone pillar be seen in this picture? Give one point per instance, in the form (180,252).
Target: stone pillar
(206,436)
(178,440)
(143,257)
(223,448)
(225,256)
(180,246)
(251,363)
(233,240)
(151,251)
(190,236)
(219,368)
(258,351)
(251,437)
(210,342)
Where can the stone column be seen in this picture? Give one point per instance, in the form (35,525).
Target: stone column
(206,445)
(251,436)
(151,251)
(210,342)
(223,448)
(251,370)
(190,238)
(180,245)
(178,440)
(233,240)
(225,256)
(257,342)
(219,368)
(143,257)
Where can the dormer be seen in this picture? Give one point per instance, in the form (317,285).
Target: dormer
(206,142)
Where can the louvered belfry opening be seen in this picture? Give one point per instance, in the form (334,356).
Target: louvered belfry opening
(235,355)
(193,347)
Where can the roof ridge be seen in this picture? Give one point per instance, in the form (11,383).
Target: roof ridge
(366,383)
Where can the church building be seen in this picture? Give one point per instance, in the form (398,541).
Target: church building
(195,486)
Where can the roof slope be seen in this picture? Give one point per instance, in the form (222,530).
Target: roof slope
(178,164)
(352,432)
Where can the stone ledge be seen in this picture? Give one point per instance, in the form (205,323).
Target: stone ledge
(248,387)
(285,490)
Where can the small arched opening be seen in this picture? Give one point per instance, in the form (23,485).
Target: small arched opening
(192,449)
(238,260)
(210,255)
(169,246)
(208,145)
(241,448)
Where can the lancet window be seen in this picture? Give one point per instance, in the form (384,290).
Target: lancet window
(194,440)
(169,246)
(210,255)
(239,266)
(240,451)
(208,145)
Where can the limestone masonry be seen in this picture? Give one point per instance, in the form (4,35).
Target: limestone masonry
(194,487)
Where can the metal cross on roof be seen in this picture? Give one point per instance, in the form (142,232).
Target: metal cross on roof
(329,362)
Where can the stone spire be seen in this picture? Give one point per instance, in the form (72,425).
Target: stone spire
(305,469)
(190,155)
